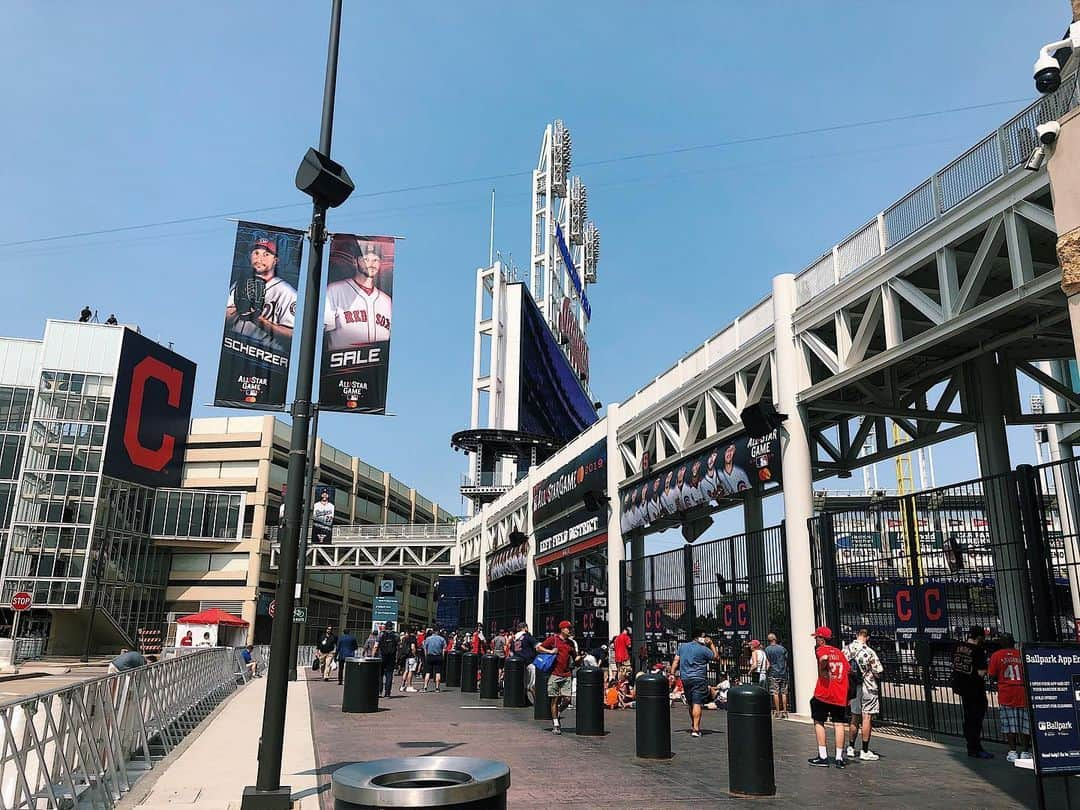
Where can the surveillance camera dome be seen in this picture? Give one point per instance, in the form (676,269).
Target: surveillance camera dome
(1048,132)
(1048,80)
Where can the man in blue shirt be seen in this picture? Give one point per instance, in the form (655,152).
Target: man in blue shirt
(434,647)
(248,657)
(347,645)
(692,663)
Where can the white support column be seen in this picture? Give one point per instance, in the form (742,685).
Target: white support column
(1064,482)
(530,561)
(798,490)
(616,548)
(485,543)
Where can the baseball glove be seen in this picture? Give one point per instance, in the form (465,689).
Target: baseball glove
(249,298)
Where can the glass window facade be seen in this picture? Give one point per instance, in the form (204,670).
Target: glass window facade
(195,514)
(15,405)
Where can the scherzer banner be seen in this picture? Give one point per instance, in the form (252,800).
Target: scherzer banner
(356,324)
(253,371)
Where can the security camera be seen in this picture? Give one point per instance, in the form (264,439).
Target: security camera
(1047,67)
(1035,161)
(1048,132)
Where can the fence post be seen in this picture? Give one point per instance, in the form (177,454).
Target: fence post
(830,597)
(1038,556)
(690,606)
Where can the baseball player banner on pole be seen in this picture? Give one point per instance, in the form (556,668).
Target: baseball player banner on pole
(356,324)
(322,516)
(253,370)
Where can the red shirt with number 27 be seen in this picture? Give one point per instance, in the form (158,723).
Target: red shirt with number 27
(832,687)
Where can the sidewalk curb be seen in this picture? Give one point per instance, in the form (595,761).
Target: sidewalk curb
(145,784)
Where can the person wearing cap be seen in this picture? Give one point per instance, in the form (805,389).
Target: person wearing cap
(560,681)
(272,327)
(829,703)
(759,663)
(692,664)
(357,311)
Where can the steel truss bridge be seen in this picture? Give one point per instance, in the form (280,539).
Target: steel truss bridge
(408,547)
(886,323)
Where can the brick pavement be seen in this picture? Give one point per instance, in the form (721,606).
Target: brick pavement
(603,772)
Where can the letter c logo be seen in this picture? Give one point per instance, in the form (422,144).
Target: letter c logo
(727,615)
(150,368)
(903,605)
(932,613)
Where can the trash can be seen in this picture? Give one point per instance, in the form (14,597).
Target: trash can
(453,669)
(589,703)
(362,680)
(469,663)
(542,703)
(750,763)
(489,677)
(514,683)
(449,782)
(652,717)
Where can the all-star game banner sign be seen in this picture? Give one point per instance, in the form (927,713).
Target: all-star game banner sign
(356,324)
(260,313)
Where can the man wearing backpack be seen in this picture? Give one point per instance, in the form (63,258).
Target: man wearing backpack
(829,703)
(386,648)
(968,681)
(864,692)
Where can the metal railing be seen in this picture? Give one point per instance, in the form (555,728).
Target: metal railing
(350,534)
(88,743)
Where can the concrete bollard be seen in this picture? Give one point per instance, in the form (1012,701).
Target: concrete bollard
(652,720)
(469,663)
(489,677)
(514,683)
(453,669)
(542,704)
(750,763)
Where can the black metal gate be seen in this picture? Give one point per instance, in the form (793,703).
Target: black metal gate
(919,570)
(734,587)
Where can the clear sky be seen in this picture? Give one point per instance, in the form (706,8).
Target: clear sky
(126,113)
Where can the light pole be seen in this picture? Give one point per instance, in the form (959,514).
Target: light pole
(305,532)
(329,186)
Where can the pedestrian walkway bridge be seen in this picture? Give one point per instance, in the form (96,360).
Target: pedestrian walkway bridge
(406,547)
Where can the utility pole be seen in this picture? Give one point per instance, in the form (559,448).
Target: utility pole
(328,185)
(305,533)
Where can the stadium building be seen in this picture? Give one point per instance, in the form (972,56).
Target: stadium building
(115,520)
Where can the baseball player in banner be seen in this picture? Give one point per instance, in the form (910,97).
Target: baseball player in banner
(356,324)
(253,370)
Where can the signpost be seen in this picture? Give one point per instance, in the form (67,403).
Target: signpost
(1052,681)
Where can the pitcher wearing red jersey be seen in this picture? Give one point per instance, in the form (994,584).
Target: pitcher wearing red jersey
(829,704)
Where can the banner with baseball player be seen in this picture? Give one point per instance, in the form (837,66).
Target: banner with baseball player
(322,516)
(721,473)
(356,324)
(253,370)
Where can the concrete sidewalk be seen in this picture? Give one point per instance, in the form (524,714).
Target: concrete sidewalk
(211,772)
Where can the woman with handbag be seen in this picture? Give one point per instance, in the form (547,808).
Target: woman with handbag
(759,663)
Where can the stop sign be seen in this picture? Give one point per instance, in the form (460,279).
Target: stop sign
(21,601)
(273,607)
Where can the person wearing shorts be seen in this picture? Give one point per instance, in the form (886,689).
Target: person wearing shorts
(778,676)
(560,682)
(434,646)
(829,703)
(408,655)
(866,704)
(692,664)
(1006,668)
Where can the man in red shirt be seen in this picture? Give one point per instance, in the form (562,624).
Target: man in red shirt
(622,646)
(1005,666)
(829,703)
(560,683)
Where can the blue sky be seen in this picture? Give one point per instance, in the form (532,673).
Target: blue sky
(127,113)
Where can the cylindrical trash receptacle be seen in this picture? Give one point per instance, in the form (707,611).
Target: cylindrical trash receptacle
(652,719)
(362,677)
(453,669)
(514,683)
(542,703)
(750,763)
(469,663)
(489,676)
(589,703)
(448,782)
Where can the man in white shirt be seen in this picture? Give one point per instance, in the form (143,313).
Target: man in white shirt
(322,518)
(732,478)
(357,312)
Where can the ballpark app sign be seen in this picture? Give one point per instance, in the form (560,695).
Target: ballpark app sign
(356,324)
(150,412)
(253,371)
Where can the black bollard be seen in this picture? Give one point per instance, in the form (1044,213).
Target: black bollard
(362,681)
(489,677)
(514,683)
(652,711)
(589,703)
(750,763)
(469,662)
(542,703)
(453,669)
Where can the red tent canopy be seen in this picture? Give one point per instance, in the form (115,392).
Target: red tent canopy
(213,616)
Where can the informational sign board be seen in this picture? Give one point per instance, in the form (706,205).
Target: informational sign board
(385,609)
(735,619)
(923,608)
(1052,680)
(299,615)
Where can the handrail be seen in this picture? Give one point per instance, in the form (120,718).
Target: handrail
(88,742)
